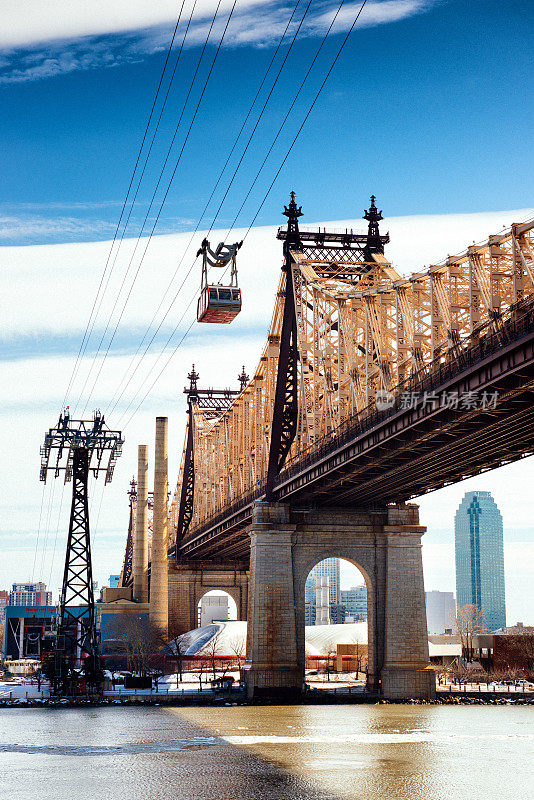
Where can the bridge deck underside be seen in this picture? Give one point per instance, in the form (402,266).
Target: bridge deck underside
(408,452)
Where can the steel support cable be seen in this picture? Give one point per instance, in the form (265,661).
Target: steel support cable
(134,198)
(87,333)
(338,53)
(319,49)
(149,238)
(38,531)
(169,308)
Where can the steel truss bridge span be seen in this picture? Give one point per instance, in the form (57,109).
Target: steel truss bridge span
(401,453)
(324,419)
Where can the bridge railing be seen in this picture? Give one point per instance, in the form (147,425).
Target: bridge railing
(517,321)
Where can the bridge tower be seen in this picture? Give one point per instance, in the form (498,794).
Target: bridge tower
(287,540)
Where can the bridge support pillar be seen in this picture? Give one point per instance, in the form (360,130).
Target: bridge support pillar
(188,583)
(272,667)
(406,672)
(385,545)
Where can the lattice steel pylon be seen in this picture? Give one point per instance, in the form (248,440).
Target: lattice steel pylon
(80,447)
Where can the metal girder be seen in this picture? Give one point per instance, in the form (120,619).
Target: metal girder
(187,493)
(76,616)
(346,326)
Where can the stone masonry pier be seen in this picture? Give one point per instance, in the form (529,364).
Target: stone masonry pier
(385,546)
(188,583)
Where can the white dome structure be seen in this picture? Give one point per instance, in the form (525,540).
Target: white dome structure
(232,638)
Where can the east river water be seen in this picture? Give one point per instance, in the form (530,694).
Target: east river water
(360,752)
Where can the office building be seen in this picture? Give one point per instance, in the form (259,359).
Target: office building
(355,602)
(322,600)
(4,600)
(478,537)
(30,594)
(213,608)
(440,612)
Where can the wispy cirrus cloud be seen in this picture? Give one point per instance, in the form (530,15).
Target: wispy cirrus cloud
(20,229)
(81,36)
(36,228)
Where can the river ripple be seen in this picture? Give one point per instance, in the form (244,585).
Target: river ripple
(368,752)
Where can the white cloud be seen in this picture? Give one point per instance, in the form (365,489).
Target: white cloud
(41,40)
(33,277)
(20,227)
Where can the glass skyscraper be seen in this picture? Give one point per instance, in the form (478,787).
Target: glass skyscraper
(478,535)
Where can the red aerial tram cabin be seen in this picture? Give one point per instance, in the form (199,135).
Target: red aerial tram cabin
(217,302)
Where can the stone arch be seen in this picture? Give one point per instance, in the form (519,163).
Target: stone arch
(310,549)
(188,583)
(232,592)
(385,545)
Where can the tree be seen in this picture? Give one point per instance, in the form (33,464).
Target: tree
(329,650)
(470,621)
(358,653)
(179,648)
(135,636)
(212,650)
(237,648)
(202,668)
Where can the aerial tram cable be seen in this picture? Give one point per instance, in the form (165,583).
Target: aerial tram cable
(316,97)
(149,238)
(129,372)
(93,314)
(127,272)
(87,334)
(290,109)
(125,276)
(144,138)
(141,176)
(38,532)
(291,146)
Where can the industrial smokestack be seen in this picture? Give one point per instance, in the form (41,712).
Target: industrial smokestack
(140,541)
(159,591)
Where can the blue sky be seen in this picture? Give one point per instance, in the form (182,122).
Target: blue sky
(432,111)
(429,107)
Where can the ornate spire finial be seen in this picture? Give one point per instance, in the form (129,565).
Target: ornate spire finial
(132,492)
(193,378)
(292,212)
(374,243)
(243,378)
